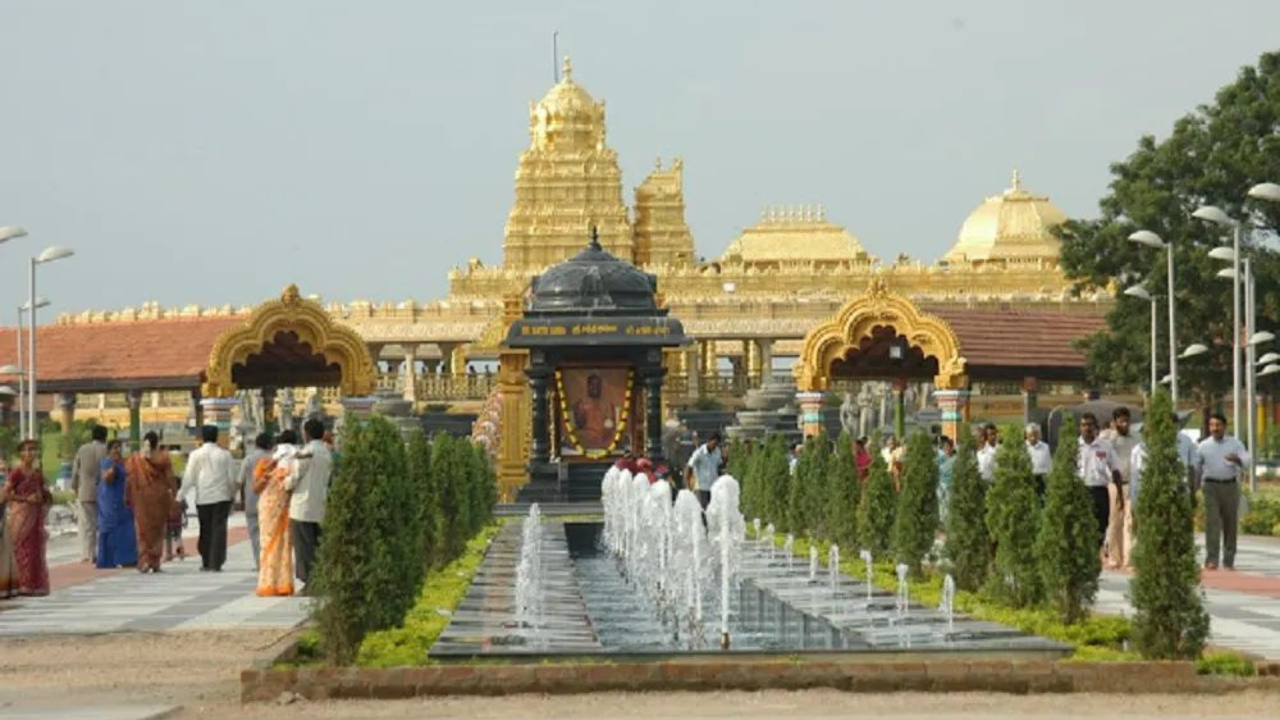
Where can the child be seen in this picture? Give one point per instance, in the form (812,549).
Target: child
(173,531)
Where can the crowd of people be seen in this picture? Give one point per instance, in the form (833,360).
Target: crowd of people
(131,510)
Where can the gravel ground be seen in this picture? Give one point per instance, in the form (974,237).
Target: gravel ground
(200,671)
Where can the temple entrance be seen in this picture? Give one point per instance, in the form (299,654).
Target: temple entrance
(286,345)
(881,336)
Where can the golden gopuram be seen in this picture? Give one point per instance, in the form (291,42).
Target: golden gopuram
(796,296)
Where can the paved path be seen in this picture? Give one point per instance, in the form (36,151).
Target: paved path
(1244,605)
(90,601)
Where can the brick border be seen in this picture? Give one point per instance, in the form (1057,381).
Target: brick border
(860,675)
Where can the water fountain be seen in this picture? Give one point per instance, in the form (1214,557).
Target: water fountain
(769,532)
(788,551)
(529,591)
(813,564)
(870,582)
(833,569)
(903,605)
(948,605)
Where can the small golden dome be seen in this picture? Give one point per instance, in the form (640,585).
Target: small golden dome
(1014,226)
(567,117)
(795,234)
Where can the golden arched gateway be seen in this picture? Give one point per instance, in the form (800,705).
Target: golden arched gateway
(290,342)
(832,340)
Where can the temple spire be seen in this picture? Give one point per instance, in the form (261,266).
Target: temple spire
(567,70)
(1017,181)
(595,239)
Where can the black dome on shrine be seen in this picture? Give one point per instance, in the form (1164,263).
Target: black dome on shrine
(594,282)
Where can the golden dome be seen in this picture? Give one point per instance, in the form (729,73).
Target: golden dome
(1014,226)
(567,117)
(795,234)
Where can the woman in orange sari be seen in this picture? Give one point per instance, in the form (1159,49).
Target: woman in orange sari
(28,499)
(275,566)
(149,490)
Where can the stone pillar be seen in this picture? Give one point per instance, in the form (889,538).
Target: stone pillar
(899,408)
(218,412)
(269,423)
(765,350)
(1030,393)
(954,405)
(410,372)
(751,360)
(810,412)
(66,403)
(693,371)
(540,452)
(653,413)
(134,398)
(197,410)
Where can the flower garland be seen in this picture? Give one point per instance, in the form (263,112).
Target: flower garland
(572,435)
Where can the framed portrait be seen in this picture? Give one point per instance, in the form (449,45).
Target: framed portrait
(593,409)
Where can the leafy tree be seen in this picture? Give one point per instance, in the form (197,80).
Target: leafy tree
(449,461)
(1013,520)
(916,525)
(775,478)
(843,489)
(1170,621)
(1067,545)
(808,488)
(739,466)
(877,507)
(483,490)
(1213,155)
(968,543)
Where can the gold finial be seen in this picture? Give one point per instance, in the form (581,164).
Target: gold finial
(290,294)
(567,70)
(657,164)
(878,287)
(1017,181)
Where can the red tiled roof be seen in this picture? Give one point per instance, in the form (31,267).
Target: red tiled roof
(143,354)
(1020,338)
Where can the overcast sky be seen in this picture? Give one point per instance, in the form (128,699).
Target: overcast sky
(212,152)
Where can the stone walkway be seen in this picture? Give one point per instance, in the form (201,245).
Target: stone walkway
(1244,605)
(90,601)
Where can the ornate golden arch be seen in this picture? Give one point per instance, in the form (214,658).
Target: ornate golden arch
(338,344)
(832,339)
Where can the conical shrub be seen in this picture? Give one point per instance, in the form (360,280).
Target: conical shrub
(968,545)
(843,490)
(1170,622)
(808,488)
(1067,544)
(1013,521)
(916,523)
(877,507)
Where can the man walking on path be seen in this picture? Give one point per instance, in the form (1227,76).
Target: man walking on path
(310,488)
(1097,470)
(210,475)
(1221,459)
(84,481)
(1123,441)
(261,451)
(703,469)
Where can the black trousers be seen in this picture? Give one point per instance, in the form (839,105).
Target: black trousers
(1040,486)
(213,533)
(306,539)
(1101,511)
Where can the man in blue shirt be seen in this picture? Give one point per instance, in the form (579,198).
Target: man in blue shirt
(703,469)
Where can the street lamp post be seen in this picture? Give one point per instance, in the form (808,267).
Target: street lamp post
(1150,239)
(1215,215)
(48,255)
(1141,293)
(21,371)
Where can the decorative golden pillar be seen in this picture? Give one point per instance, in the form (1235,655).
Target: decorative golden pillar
(710,362)
(693,370)
(751,359)
(514,432)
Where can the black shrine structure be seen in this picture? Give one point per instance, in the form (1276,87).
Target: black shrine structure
(594,331)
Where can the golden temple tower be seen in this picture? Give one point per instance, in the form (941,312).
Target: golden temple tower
(796,234)
(662,235)
(567,181)
(1014,227)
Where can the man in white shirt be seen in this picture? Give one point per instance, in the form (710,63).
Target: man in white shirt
(211,476)
(1123,440)
(1097,470)
(1041,458)
(310,488)
(261,451)
(703,469)
(1222,457)
(987,452)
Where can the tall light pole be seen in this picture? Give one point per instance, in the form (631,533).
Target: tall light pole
(1215,215)
(1141,293)
(22,381)
(48,255)
(1150,239)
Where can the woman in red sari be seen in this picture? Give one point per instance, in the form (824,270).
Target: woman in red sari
(149,490)
(28,500)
